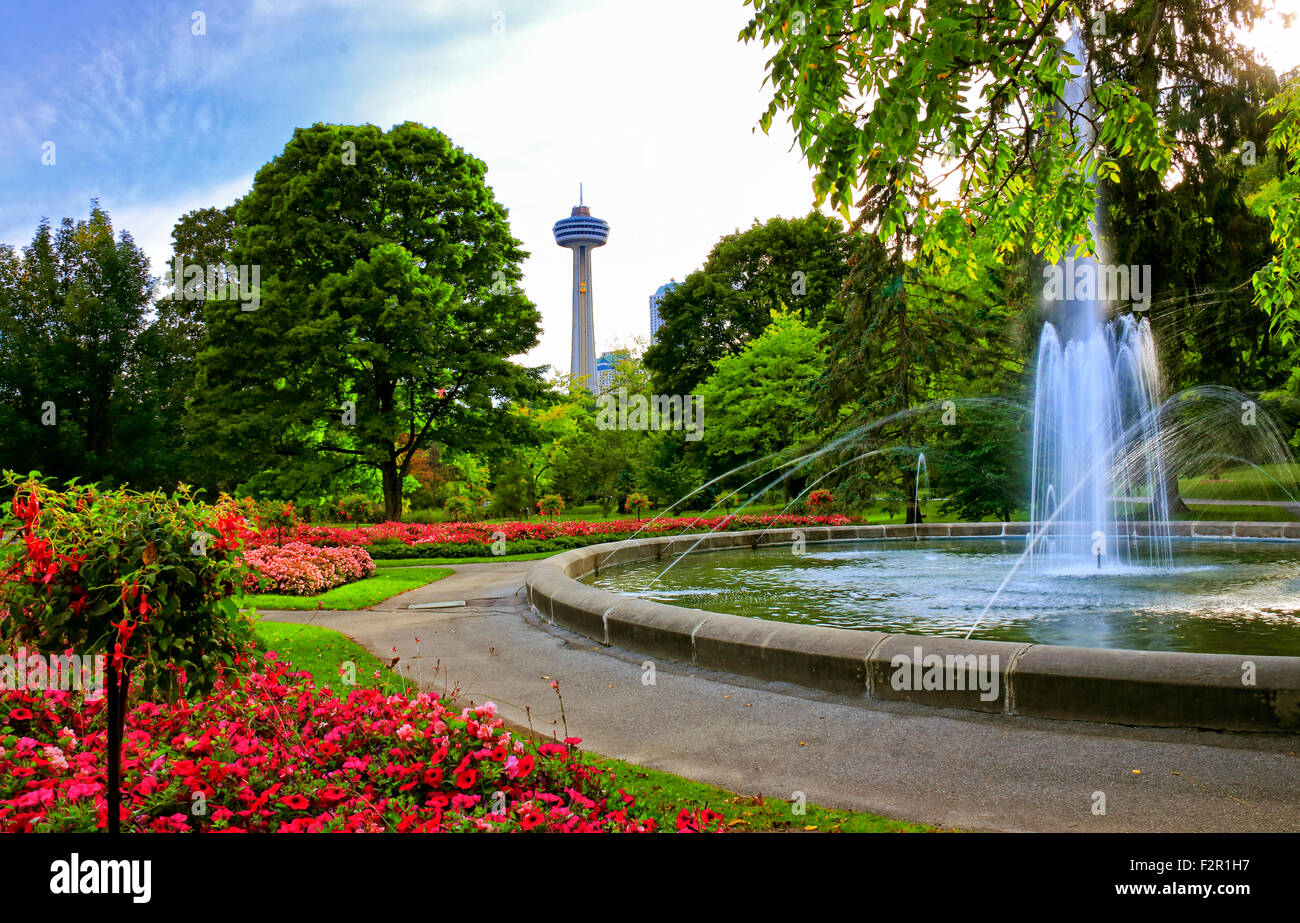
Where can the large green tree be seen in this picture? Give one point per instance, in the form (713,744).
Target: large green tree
(1198,233)
(388,307)
(756,402)
(73,315)
(1277,283)
(797,263)
(917,339)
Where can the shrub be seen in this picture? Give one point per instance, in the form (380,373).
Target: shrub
(424,516)
(146,578)
(245,507)
(280,516)
(820,499)
(358,508)
(299,569)
(460,508)
(636,503)
(551,505)
(390,551)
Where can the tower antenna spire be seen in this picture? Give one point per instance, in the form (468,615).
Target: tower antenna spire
(579,193)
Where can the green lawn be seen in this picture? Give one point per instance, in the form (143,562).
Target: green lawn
(1239,513)
(387,581)
(321,651)
(663,794)
(1273,482)
(481,559)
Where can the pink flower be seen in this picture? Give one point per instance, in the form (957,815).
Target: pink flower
(55,756)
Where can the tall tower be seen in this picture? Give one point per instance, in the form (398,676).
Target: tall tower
(582,233)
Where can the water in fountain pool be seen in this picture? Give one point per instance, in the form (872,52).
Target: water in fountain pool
(1239,597)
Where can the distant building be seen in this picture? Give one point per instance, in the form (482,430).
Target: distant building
(655,320)
(605,366)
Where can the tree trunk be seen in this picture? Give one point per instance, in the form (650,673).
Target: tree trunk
(392,494)
(1173,499)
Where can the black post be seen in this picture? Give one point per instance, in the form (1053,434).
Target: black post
(115,715)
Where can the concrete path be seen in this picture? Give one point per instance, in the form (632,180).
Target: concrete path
(945,767)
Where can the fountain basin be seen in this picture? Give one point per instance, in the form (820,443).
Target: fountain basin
(1156,688)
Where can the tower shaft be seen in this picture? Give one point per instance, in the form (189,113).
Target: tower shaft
(582,365)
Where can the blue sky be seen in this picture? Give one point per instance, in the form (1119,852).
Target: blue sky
(652,106)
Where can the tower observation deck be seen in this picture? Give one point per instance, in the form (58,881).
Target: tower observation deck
(582,233)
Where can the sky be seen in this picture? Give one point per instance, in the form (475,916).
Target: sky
(653,107)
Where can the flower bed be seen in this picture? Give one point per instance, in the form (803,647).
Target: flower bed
(302,569)
(478,536)
(269,751)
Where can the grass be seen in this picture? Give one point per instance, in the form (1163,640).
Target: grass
(480,559)
(1239,513)
(1246,483)
(662,795)
(387,582)
(321,651)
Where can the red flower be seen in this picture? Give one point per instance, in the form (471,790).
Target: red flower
(465,778)
(21,714)
(530,817)
(295,802)
(522,767)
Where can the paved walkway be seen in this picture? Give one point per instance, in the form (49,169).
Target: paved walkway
(946,767)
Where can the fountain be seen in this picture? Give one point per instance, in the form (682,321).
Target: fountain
(1085,601)
(1096,442)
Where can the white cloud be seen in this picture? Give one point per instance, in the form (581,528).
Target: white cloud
(149,224)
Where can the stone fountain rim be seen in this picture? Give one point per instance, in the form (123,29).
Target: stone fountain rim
(1141,688)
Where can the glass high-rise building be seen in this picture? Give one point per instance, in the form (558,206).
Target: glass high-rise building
(605,366)
(656,321)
